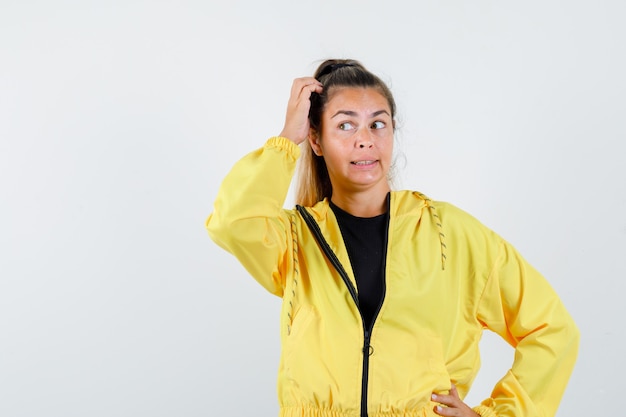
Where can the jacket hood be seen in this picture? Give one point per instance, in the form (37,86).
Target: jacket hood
(400,203)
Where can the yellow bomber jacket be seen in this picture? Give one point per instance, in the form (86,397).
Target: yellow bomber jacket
(447,278)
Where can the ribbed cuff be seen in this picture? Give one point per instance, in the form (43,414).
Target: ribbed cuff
(285,145)
(484,411)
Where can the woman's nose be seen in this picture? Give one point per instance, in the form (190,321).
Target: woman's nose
(364,139)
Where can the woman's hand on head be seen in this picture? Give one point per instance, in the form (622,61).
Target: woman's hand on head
(297,126)
(454,406)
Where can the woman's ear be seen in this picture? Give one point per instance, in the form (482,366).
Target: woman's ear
(314,141)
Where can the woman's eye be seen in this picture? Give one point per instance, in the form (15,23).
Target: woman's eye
(346,126)
(378,125)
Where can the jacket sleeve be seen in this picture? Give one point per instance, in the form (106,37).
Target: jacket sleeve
(520,305)
(248,218)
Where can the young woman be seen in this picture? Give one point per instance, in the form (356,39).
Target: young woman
(385,293)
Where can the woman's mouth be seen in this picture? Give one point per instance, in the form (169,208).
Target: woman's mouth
(363,163)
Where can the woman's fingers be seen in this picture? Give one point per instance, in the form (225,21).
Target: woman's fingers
(297,120)
(304,85)
(454,406)
(452,399)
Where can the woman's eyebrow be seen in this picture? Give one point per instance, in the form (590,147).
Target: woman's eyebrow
(353,113)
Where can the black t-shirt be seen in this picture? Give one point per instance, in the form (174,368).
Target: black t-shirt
(365,239)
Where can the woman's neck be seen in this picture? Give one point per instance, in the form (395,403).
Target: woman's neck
(361,204)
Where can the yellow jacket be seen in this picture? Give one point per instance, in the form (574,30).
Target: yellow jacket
(447,278)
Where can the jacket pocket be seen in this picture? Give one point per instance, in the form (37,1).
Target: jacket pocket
(300,350)
(301,320)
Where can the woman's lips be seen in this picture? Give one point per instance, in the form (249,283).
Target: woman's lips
(364,163)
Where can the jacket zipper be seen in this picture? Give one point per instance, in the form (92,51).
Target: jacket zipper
(310,221)
(366,366)
(367,348)
(367,332)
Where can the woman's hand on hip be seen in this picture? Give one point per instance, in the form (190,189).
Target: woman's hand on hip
(454,406)
(297,126)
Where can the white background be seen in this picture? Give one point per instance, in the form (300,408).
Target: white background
(118,120)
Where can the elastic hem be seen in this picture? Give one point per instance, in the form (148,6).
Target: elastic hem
(484,411)
(284,144)
(312,412)
(296,411)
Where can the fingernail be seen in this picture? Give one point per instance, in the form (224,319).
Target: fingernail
(439,408)
(434,397)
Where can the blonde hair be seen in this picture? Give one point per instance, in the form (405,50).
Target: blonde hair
(313,180)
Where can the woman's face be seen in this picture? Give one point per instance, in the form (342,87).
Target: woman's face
(356,140)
